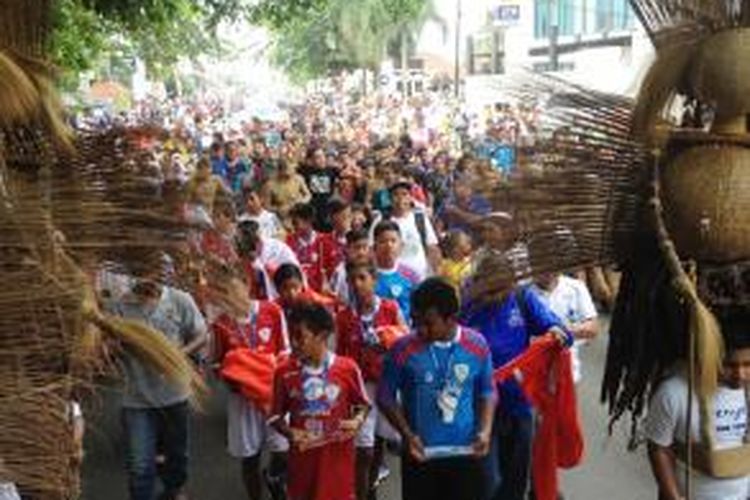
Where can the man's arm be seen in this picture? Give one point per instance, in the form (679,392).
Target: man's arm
(663,466)
(434,257)
(540,318)
(588,326)
(585,330)
(388,404)
(395,415)
(194,328)
(486,401)
(304,190)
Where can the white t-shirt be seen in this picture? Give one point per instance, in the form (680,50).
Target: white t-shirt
(268,223)
(413,254)
(273,254)
(339,283)
(571,302)
(8,492)
(666,423)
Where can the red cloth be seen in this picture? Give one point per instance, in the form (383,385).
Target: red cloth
(325,472)
(546,378)
(350,340)
(310,295)
(248,351)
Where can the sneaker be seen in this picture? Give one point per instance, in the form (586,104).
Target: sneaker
(383,473)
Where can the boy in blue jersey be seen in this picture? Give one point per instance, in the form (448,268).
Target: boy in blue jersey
(395,281)
(436,390)
(508,323)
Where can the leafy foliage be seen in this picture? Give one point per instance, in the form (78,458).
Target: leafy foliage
(316,37)
(87,33)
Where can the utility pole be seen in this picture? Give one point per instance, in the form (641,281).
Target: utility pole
(554,32)
(457,55)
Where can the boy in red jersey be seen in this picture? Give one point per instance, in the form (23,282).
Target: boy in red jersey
(312,249)
(365,330)
(258,326)
(335,246)
(324,396)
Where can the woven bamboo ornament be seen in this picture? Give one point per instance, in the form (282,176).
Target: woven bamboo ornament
(698,201)
(64,210)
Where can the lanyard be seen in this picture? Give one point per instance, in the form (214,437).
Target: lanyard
(443,380)
(367,323)
(251,338)
(314,385)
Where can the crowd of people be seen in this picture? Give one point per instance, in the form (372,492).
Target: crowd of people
(330,285)
(334,285)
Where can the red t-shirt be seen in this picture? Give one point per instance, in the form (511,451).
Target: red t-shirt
(318,401)
(219,247)
(314,256)
(358,338)
(334,246)
(263,330)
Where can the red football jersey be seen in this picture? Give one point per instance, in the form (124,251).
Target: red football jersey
(334,246)
(317,401)
(315,256)
(262,330)
(357,337)
(218,247)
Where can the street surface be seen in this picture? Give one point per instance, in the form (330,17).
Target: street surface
(609,470)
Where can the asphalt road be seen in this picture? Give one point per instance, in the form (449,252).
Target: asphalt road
(609,471)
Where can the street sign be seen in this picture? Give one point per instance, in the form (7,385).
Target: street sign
(506,14)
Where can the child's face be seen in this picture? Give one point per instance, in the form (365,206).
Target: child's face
(464,246)
(362,283)
(402,200)
(359,220)
(737,368)
(290,290)
(387,246)
(223,223)
(432,326)
(388,175)
(302,226)
(303,341)
(342,221)
(253,203)
(358,251)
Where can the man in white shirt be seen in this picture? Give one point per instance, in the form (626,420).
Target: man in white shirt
(666,424)
(419,250)
(268,222)
(571,301)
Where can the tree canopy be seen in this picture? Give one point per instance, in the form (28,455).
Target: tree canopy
(159,32)
(315,37)
(311,37)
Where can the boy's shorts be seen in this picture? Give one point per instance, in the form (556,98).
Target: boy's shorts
(248,432)
(375,425)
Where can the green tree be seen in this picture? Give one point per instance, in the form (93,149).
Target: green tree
(315,38)
(88,33)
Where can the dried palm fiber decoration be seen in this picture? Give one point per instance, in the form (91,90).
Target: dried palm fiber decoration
(695,225)
(610,181)
(67,206)
(575,197)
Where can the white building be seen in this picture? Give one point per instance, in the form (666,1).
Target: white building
(598,43)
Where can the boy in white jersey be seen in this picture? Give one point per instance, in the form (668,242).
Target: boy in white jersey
(666,424)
